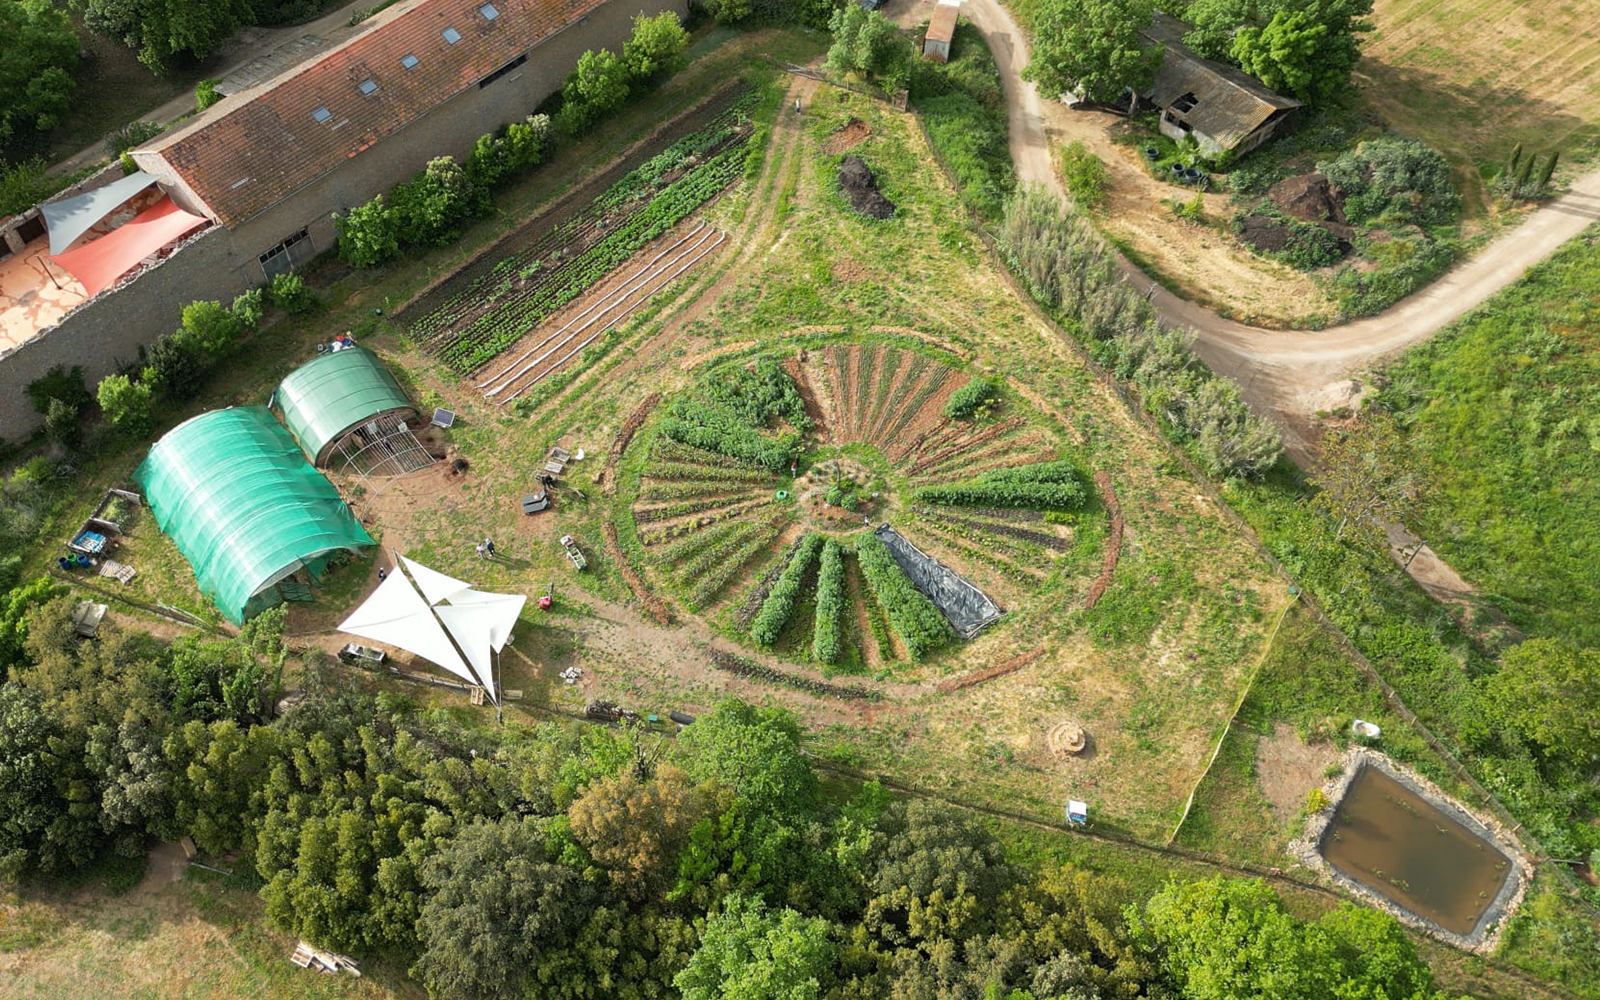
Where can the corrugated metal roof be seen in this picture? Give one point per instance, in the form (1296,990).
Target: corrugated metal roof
(251,150)
(943,26)
(1229,105)
(326,397)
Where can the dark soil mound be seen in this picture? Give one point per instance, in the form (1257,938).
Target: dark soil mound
(1265,233)
(856,179)
(853,133)
(1308,197)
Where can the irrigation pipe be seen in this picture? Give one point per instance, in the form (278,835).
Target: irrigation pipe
(609,326)
(611,302)
(1232,716)
(512,364)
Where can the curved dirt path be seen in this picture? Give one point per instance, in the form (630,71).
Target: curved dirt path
(1290,375)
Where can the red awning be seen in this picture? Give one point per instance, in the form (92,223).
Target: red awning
(98,265)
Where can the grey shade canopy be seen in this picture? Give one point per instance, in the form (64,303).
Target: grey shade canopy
(70,218)
(969,609)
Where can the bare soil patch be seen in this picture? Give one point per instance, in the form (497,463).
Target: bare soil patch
(852,134)
(1287,769)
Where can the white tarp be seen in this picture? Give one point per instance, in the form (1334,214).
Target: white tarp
(397,615)
(435,585)
(470,625)
(506,608)
(70,218)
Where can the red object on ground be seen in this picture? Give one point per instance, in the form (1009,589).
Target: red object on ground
(545,603)
(98,264)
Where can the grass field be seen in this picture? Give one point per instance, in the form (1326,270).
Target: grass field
(1474,77)
(1504,406)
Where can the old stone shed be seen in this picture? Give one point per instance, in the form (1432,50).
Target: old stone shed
(1221,108)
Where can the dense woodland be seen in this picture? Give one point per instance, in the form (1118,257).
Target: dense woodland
(568,861)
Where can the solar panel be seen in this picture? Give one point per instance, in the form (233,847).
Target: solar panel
(451,35)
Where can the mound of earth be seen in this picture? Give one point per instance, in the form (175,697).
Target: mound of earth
(1270,235)
(1309,197)
(853,133)
(856,179)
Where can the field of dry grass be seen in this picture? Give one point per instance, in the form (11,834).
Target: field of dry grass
(1475,77)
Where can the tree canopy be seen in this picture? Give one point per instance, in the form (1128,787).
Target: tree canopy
(866,42)
(36,65)
(159,30)
(1549,690)
(748,952)
(1304,48)
(1093,48)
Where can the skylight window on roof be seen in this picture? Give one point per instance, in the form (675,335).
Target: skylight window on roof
(368,86)
(322,115)
(409,61)
(489,12)
(451,35)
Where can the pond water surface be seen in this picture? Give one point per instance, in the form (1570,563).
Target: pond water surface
(1397,843)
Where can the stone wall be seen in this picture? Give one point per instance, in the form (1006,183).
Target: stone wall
(103,336)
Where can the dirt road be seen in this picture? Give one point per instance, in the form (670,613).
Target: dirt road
(1289,375)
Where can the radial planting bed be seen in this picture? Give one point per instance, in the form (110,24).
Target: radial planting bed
(761,491)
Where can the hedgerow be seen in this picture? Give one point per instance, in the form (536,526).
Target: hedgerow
(916,620)
(781,599)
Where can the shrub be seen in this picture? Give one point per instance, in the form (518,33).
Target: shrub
(1316,801)
(60,382)
(129,168)
(973,146)
(131,135)
(1397,181)
(596,87)
(785,593)
(61,424)
(826,642)
(1404,265)
(249,307)
(916,620)
(368,234)
(173,366)
(215,329)
(206,94)
(288,292)
(23,185)
(1085,175)
(655,49)
(733,407)
(728,11)
(127,404)
(968,399)
(428,210)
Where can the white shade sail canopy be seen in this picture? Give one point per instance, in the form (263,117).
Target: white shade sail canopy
(397,615)
(70,218)
(479,622)
(435,585)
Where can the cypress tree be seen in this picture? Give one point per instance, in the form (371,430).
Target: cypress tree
(1523,172)
(1549,168)
(1511,164)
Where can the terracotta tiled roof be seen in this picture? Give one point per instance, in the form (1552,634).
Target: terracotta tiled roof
(253,149)
(943,26)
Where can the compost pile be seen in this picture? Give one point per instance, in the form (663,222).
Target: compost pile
(1308,197)
(862,190)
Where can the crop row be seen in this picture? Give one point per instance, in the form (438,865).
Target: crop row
(1039,538)
(826,630)
(675,554)
(709,580)
(1004,561)
(758,594)
(668,450)
(966,401)
(568,238)
(726,539)
(648,515)
(785,593)
(474,344)
(909,376)
(1046,485)
(906,412)
(866,368)
(745,668)
(675,530)
(675,471)
(888,372)
(915,619)
(690,489)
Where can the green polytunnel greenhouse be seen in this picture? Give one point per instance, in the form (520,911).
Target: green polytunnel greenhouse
(339,402)
(234,493)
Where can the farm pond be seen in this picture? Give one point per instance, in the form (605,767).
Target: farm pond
(1390,838)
